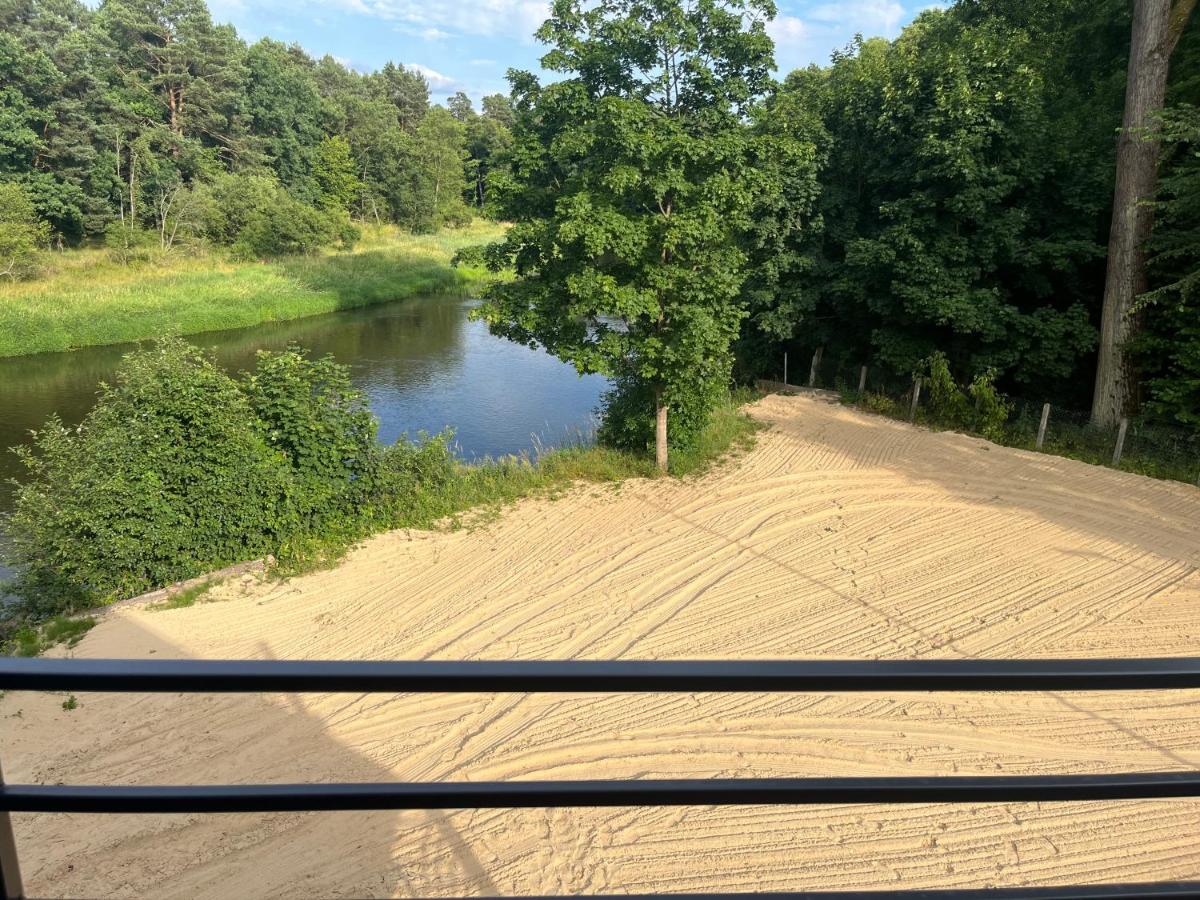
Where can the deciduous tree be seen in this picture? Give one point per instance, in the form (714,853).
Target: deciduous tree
(630,189)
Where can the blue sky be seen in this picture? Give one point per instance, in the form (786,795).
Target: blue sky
(468,46)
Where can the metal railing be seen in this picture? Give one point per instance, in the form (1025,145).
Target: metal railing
(194,676)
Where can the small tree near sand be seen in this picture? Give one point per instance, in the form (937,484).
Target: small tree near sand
(629,189)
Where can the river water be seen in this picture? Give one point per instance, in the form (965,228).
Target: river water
(422,364)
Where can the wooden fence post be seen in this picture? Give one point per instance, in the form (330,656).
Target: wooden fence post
(1042,428)
(816,367)
(1120,442)
(862,380)
(912,413)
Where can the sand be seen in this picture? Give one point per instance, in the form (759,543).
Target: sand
(841,535)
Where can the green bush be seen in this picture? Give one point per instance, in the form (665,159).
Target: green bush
(180,470)
(310,413)
(992,411)
(628,419)
(947,405)
(22,234)
(168,477)
(258,219)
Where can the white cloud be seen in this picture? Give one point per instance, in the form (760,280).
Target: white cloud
(871,17)
(785,30)
(438,83)
(517,18)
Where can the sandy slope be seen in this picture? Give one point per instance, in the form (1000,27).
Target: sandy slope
(840,535)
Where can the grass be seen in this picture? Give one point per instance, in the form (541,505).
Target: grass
(86,299)
(186,597)
(33,640)
(498,483)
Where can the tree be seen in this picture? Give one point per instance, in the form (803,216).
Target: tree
(955,208)
(441,174)
(630,189)
(489,138)
(406,90)
(1168,348)
(460,107)
(284,109)
(782,243)
(50,112)
(1157,26)
(22,233)
(334,173)
(177,69)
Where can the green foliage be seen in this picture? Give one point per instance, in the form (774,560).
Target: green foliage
(36,639)
(87,299)
(180,470)
(630,186)
(628,420)
(992,412)
(289,228)
(115,113)
(22,234)
(128,243)
(946,402)
(965,185)
(168,477)
(70,703)
(334,173)
(1169,348)
(309,412)
(981,408)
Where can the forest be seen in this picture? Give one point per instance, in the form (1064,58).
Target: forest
(1007,191)
(145,123)
(947,192)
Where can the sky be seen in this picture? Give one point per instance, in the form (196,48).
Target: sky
(468,45)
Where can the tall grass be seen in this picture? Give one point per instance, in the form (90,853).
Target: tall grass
(86,299)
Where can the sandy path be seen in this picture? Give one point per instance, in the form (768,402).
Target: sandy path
(840,535)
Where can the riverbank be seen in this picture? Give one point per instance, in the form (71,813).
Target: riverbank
(425,487)
(86,299)
(840,535)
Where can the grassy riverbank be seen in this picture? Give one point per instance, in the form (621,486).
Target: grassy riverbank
(85,299)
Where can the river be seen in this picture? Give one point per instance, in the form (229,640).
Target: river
(422,363)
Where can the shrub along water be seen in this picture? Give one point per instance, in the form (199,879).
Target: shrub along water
(180,470)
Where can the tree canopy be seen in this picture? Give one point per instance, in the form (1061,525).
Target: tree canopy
(630,189)
(107,114)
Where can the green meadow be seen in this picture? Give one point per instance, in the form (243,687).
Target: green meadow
(84,298)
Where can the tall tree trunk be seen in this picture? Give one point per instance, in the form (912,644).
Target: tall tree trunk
(660,431)
(1157,25)
(132,187)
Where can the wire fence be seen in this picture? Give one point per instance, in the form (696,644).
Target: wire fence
(1139,444)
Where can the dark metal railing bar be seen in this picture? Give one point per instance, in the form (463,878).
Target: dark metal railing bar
(826,676)
(1093,892)
(578,676)
(544,794)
